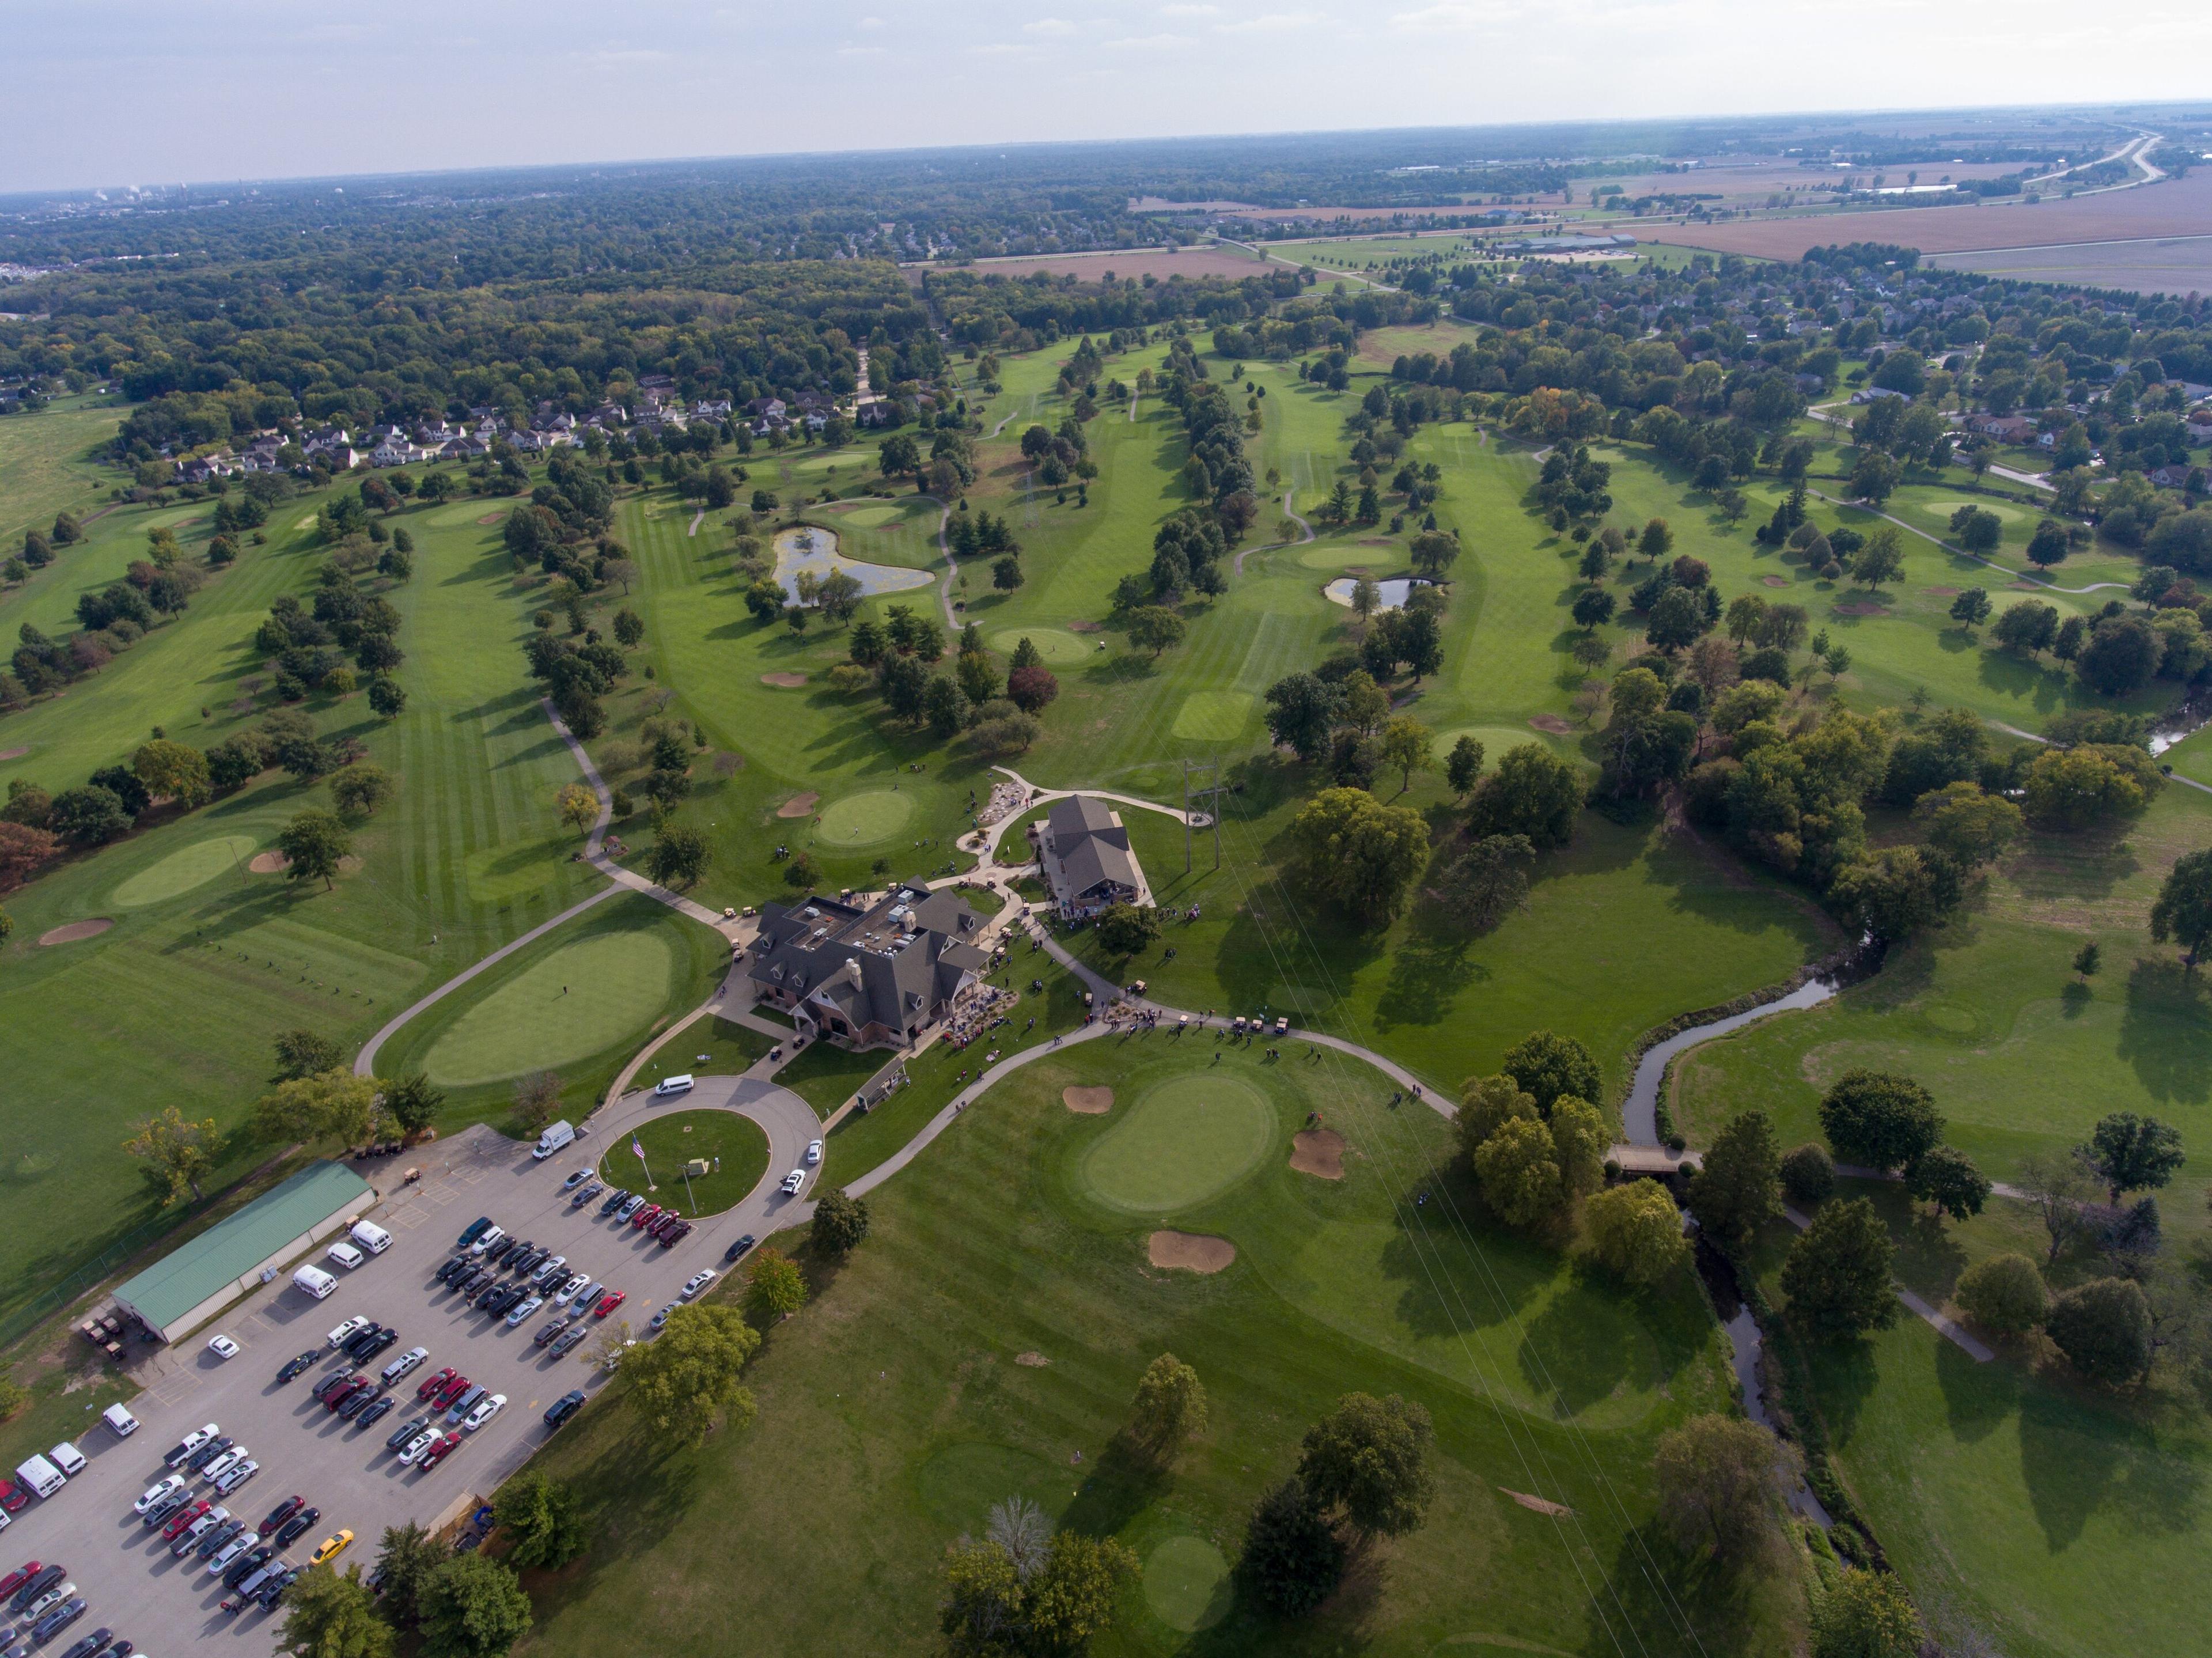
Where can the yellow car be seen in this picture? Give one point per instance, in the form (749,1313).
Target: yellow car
(330,1548)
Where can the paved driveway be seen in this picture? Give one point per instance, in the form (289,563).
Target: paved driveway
(127,1575)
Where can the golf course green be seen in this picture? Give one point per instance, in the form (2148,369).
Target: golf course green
(1184,1140)
(563,1006)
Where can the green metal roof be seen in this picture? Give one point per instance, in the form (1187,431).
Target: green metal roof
(239,1244)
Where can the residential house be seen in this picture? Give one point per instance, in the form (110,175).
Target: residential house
(2005,428)
(1083,851)
(2172,477)
(876,976)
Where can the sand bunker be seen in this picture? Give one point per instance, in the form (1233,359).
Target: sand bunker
(1086,627)
(1090,1101)
(71,932)
(491,519)
(784,681)
(13,754)
(1318,1151)
(1863,607)
(1191,1252)
(1537,1503)
(1555,724)
(798,805)
(270,863)
(1035,1361)
(1774,580)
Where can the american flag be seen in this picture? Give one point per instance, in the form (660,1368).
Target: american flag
(636,1148)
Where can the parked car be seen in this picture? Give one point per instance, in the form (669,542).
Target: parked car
(406,1431)
(90,1644)
(247,1565)
(631,1205)
(357,1345)
(564,1407)
(223,1464)
(159,1513)
(738,1248)
(484,1242)
(615,1199)
(376,1411)
(197,1461)
(175,1456)
(273,1591)
(575,1180)
(371,1350)
(609,1302)
(14,1498)
(224,1347)
(346,1331)
(277,1516)
(154,1493)
(219,1562)
(523,1309)
(332,1383)
(567,1343)
(452,1269)
(35,1589)
(485,1410)
(463,1405)
(478,1228)
(358,1402)
(56,1593)
(452,1391)
(569,1288)
(404,1365)
(551,1329)
(553,1269)
(191,1538)
(14,1581)
(179,1523)
(439,1452)
(237,1477)
(296,1528)
(672,1235)
(645,1216)
(585,1194)
(436,1383)
(58,1620)
(219,1539)
(345,1390)
(331,1547)
(660,1317)
(668,1223)
(412,1453)
(813,1152)
(697,1282)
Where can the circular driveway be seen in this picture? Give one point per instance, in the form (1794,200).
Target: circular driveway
(789,1123)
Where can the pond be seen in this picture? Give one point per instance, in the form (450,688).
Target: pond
(1395,590)
(807,548)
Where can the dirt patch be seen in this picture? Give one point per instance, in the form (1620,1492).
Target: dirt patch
(491,519)
(1318,1151)
(1941,593)
(798,805)
(1555,724)
(270,863)
(1537,1504)
(1086,627)
(787,682)
(1088,1102)
(1375,541)
(1189,1252)
(1774,580)
(70,931)
(1035,1361)
(13,754)
(1862,607)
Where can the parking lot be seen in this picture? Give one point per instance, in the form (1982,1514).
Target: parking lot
(126,1572)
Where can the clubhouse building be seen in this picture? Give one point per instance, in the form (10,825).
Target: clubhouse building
(1083,851)
(877,977)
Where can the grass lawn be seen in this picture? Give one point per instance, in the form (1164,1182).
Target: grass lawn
(45,459)
(984,1343)
(733,1147)
(717,1049)
(827,1075)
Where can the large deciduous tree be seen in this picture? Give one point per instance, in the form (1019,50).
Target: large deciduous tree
(472,1606)
(175,1154)
(1836,1275)
(1360,854)
(1368,1459)
(1169,1408)
(1721,1480)
(1738,1188)
(1881,1121)
(1636,1232)
(2184,910)
(686,1379)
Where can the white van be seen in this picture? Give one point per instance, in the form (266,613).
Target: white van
(346,1254)
(66,1457)
(370,1236)
(120,1421)
(668,1085)
(40,1475)
(558,1135)
(313,1281)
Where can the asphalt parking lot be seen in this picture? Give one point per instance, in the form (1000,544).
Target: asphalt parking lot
(126,1572)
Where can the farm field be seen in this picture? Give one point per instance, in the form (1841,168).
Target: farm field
(1163,263)
(983,1342)
(2160,265)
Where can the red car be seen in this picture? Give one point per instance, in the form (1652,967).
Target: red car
(182,1518)
(672,1235)
(436,1383)
(281,1513)
(452,1391)
(339,1395)
(22,1575)
(13,1496)
(645,1216)
(609,1302)
(439,1452)
(669,1221)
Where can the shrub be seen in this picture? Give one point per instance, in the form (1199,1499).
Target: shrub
(2103,1327)
(1808,1176)
(2004,1294)
(1635,1231)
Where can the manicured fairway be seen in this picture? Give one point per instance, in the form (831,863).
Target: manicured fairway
(985,1339)
(587,993)
(1216,716)
(733,1147)
(867,819)
(1055,647)
(189,866)
(1184,1141)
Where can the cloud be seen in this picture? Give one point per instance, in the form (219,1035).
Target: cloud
(1150,42)
(869,23)
(1455,16)
(1269,22)
(1001,49)
(1052,26)
(1188,10)
(861,51)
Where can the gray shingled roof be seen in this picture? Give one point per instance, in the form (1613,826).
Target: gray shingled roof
(1092,849)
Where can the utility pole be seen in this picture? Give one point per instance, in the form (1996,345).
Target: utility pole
(1209,792)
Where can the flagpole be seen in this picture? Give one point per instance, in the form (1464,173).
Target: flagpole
(637,1147)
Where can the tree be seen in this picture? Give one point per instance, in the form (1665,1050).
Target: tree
(2087,959)
(2073,788)
(1488,879)
(1880,558)
(1593,608)
(1656,541)
(335,1105)
(305,1053)
(2060,1184)
(1946,1177)
(1170,1407)
(629,628)
(1739,1188)
(315,842)
(1873,477)
(1126,929)
(174,1152)
(775,1287)
(679,856)
(1636,1232)
(327,1616)
(2132,1153)
(1031,687)
(536,1097)
(406,1558)
(1518,1167)
(1368,1458)
(387,698)
(687,1378)
(2184,910)
(1301,710)
(2004,1294)
(1676,619)
(88,815)
(2047,546)
(174,770)
(943,705)
(1866,1614)
(1463,765)
(358,791)
(1837,1274)
(1154,627)
(1721,1481)
(1292,1560)
(579,806)
(1548,1067)
(1970,608)
(2103,1328)
(1881,1121)
(1533,793)
(840,1222)
(412,1101)
(1406,745)
(544,1518)
(472,1606)
(994,1609)
(1360,854)
(1808,1176)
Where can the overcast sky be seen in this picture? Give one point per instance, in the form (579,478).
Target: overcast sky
(125,92)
